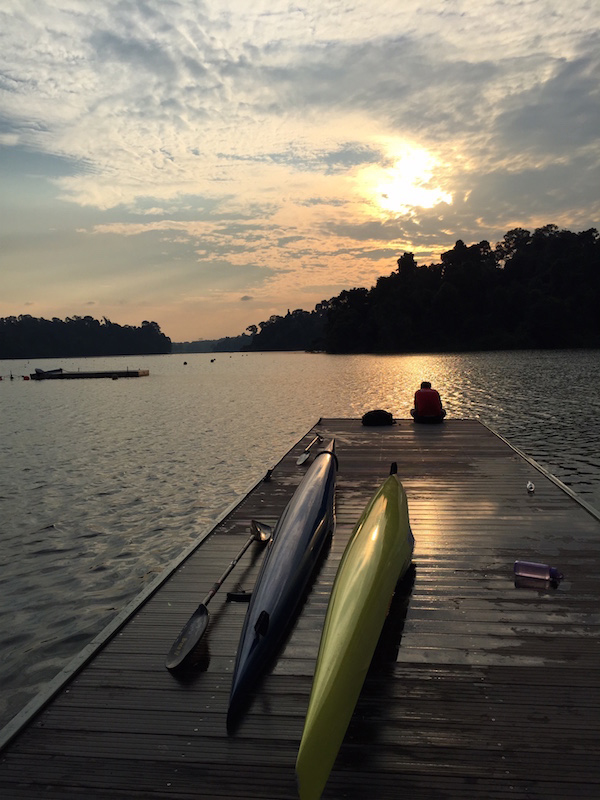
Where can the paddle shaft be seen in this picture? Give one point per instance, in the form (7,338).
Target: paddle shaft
(216,586)
(183,649)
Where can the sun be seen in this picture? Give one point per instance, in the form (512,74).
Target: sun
(408,183)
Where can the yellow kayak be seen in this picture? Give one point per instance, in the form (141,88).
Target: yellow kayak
(377,555)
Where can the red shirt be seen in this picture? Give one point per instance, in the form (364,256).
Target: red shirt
(428,403)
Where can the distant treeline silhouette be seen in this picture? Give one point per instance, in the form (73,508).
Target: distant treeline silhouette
(32,337)
(539,290)
(229,344)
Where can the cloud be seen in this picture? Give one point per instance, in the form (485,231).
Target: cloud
(559,116)
(226,151)
(344,157)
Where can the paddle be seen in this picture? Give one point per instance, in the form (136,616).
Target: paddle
(306,453)
(183,647)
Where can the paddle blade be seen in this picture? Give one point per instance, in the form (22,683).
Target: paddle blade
(261,532)
(306,454)
(183,650)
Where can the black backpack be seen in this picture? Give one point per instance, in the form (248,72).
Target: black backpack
(377,417)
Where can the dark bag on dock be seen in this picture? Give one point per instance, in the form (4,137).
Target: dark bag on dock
(377,417)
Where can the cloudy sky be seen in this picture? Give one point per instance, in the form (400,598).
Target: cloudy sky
(208,164)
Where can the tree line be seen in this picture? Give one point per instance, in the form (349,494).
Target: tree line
(532,290)
(34,337)
(228,344)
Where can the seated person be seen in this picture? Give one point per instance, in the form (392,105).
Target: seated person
(428,405)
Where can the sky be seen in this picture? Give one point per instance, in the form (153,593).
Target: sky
(206,165)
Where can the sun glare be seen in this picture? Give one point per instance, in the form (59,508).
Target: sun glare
(405,185)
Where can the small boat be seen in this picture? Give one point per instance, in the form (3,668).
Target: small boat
(293,552)
(376,557)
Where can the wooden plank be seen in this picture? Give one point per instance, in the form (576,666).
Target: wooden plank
(478,689)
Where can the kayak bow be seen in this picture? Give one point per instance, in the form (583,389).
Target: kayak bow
(292,555)
(377,555)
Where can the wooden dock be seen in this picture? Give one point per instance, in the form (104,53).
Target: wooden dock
(479,689)
(65,375)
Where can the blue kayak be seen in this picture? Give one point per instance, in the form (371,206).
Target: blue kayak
(288,566)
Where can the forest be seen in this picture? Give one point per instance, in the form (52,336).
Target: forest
(532,290)
(32,337)
(229,344)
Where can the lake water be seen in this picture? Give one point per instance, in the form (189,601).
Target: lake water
(103,483)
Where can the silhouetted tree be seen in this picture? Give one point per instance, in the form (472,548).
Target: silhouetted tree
(31,337)
(530,290)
